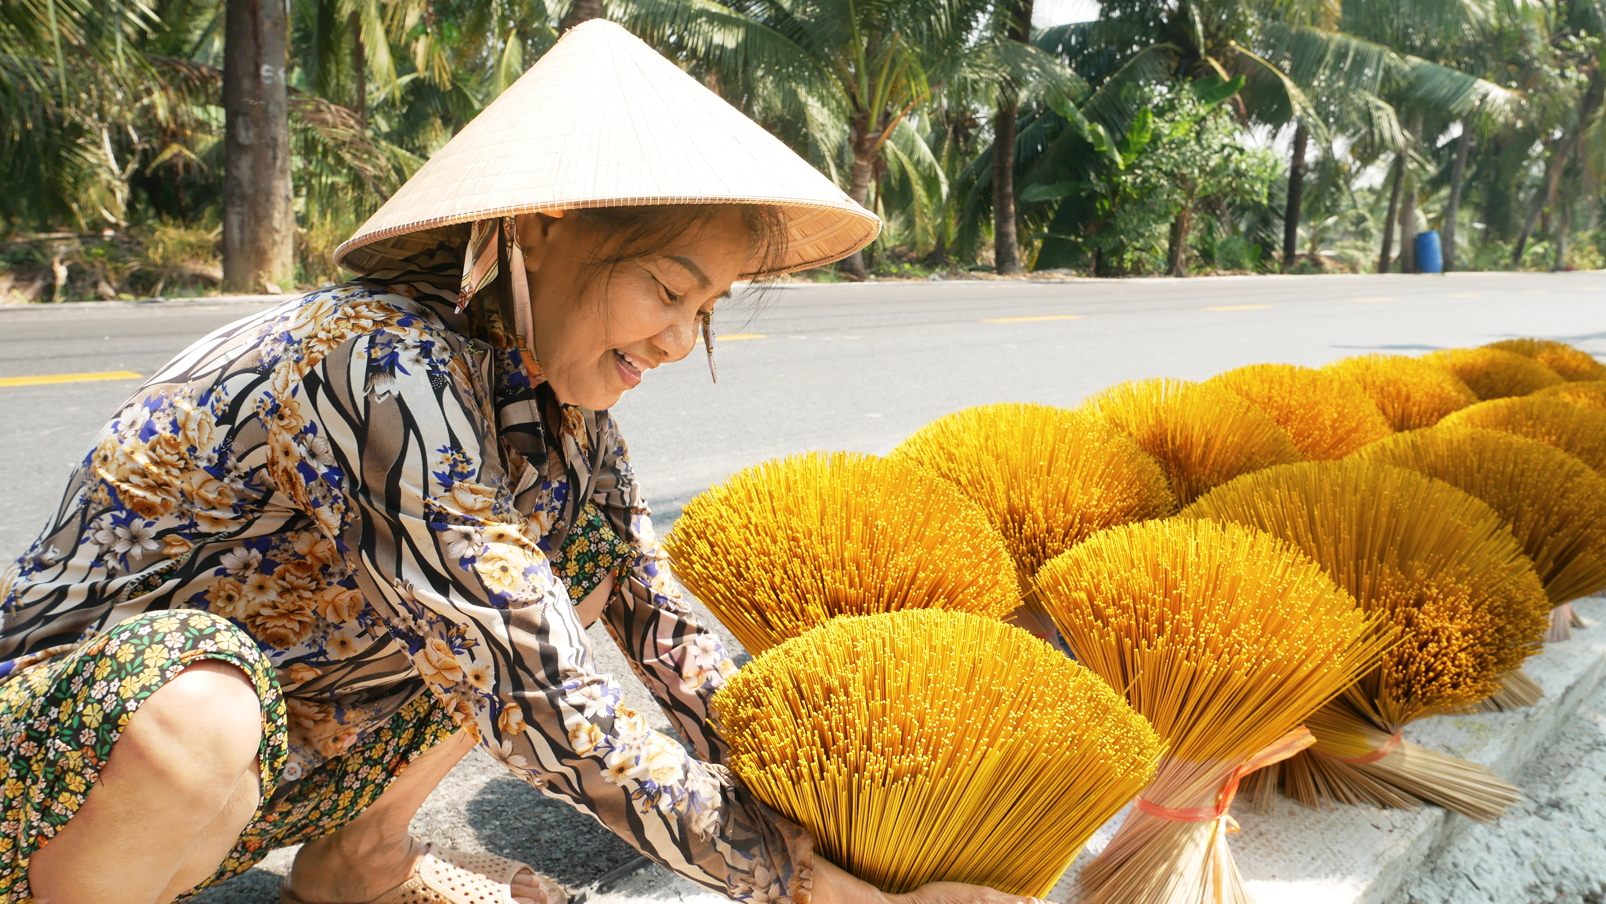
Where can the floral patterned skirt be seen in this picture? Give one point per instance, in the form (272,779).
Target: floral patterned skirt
(60,718)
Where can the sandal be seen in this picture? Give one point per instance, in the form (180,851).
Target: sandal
(445,876)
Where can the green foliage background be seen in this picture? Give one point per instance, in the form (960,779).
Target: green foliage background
(1146,138)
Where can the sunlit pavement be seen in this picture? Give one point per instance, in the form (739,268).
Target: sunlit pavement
(850,366)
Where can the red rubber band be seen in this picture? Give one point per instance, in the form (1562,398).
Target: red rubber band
(1383,750)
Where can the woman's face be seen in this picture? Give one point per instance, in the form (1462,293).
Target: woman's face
(596,338)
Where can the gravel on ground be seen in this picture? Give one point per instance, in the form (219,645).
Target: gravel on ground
(1550,848)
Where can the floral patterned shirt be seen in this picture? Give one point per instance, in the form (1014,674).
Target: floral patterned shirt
(383,502)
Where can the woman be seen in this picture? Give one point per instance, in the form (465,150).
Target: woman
(330,547)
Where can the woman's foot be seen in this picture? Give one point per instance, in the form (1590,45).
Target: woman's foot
(337,870)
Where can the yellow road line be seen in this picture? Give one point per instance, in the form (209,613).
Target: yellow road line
(735,337)
(1371,300)
(70,378)
(1238,307)
(1030,319)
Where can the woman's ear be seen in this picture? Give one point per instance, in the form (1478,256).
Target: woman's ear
(536,234)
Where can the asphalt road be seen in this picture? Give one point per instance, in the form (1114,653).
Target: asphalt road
(854,367)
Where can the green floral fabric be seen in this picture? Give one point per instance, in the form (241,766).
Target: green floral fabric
(60,717)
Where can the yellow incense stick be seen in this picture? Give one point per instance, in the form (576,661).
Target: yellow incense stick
(1226,639)
(1576,430)
(1568,362)
(787,544)
(1586,394)
(1202,436)
(1493,373)
(1046,477)
(926,745)
(1410,392)
(1438,565)
(1326,415)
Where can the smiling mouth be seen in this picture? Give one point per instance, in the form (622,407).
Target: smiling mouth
(629,363)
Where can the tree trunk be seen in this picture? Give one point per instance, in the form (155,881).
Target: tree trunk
(258,223)
(1006,236)
(1408,226)
(1564,222)
(1385,259)
(359,68)
(1177,254)
(859,177)
(1544,197)
(1408,209)
(580,11)
(1006,251)
(1296,195)
(1452,208)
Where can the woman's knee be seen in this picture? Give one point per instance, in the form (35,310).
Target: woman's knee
(199,733)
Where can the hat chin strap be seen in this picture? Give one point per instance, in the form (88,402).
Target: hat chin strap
(523,317)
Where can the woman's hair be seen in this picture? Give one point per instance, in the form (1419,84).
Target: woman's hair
(639,231)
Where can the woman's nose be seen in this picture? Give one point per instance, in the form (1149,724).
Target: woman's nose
(678,339)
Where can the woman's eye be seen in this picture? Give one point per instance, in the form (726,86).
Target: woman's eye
(669,296)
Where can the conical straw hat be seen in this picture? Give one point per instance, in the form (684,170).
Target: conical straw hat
(601,121)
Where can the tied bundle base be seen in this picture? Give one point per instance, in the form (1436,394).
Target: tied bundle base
(1394,773)
(1177,852)
(1562,622)
(1517,690)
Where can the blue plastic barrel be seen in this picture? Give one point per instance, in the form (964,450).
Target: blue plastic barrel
(1429,254)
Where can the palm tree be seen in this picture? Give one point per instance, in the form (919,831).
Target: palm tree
(809,67)
(1017,20)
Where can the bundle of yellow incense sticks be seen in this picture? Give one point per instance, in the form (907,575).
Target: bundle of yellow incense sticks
(1046,477)
(1203,436)
(1410,392)
(1441,567)
(1574,429)
(1325,414)
(1554,504)
(1226,639)
(1494,373)
(1586,394)
(1569,363)
(926,745)
(787,544)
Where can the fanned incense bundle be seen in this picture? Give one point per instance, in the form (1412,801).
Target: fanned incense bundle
(1326,415)
(1586,394)
(1492,373)
(1202,436)
(1046,477)
(1554,504)
(1440,566)
(787,544)
(1569,363)
(1578,431)
(921,746)
(1410,392)
(1226,639)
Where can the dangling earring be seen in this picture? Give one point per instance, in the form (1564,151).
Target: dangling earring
(708,343)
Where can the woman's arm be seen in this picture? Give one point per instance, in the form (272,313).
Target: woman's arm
(410,489)
(678,659)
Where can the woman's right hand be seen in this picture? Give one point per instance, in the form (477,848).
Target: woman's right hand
(834,885)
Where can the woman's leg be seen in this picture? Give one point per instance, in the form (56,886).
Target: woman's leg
(179,787)
(375,852)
